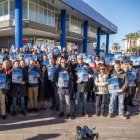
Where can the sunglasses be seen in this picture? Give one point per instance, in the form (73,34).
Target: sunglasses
(102,68)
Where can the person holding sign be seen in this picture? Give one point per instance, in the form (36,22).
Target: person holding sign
(123,84)
(34,76)
(51,85)
(131,90)
(101,81)
(81,73)
(3,82)
(7,69)
(18,89)
(63,81)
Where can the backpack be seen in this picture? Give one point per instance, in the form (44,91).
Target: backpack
(86,134)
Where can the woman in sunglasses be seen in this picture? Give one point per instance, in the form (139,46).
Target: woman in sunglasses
(102,91)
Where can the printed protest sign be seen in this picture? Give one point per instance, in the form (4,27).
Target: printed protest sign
(63,79)
(2,81)
(113,85)
(16,75)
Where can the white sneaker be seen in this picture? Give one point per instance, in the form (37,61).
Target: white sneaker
(122,116)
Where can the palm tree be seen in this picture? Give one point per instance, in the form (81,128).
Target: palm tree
(116,47)
(131,39)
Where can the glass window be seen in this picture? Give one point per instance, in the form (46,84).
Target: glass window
(2,1)
(49,18)
(25,9)
(5,5)
(31,13)
(53,19)
(45,16)
(36,13)
(75,25)
(3,8)
(12,12)
(41,15)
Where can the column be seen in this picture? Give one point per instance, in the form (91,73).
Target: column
(85,40)
(98,41)
(18,23)
(63,29)
(107,42)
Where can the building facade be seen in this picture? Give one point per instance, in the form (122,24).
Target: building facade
(65,22)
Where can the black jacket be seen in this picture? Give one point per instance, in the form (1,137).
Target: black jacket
(60,69)
(82,85)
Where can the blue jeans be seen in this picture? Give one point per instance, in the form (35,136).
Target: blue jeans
(83,96)
(112,105)
(22,102)
(15,103)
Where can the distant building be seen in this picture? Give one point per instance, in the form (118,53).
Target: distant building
(64,22)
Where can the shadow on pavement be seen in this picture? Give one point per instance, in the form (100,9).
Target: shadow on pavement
(35,123)
(44,137)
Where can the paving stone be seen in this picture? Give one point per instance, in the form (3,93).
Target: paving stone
(48,126)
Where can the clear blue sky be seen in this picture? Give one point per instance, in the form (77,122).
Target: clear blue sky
(123,13)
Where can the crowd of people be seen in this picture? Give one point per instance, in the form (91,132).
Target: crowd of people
(64,79)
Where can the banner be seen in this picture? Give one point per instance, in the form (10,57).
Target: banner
(19,55)
(39,56)
(33,77)
(46,63)
(50,55)
(89,61)
(2,81)
(27,58)
(16,75)
(118,56)
(73,57)
(56,51)
(34,57)
(113,85)
(136,60)
(109,58)
(51,72)
(63,79)
(131,78)
(1,58)
(82,74)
